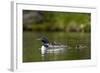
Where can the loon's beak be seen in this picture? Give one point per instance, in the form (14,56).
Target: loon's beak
(38,39)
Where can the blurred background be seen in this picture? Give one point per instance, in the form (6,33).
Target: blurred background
(56,21)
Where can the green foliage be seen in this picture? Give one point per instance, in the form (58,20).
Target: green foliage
(57,21)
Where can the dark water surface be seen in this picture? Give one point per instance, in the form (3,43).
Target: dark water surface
(79,46)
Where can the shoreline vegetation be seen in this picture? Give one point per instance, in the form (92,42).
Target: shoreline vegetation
(56,21)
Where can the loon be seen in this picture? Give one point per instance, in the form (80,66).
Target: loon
(48,47)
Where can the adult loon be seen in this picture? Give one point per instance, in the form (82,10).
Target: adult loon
(48,47)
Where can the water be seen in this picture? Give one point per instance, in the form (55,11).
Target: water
(78,46)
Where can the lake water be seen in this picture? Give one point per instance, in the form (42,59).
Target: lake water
(79,46)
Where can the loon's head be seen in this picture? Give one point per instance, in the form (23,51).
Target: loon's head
(44,40)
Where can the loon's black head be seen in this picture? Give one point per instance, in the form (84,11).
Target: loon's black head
(44,40)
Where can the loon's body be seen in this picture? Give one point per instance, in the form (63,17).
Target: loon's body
(47,47)
(52,49)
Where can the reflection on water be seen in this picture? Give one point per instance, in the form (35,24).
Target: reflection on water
(78,46)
